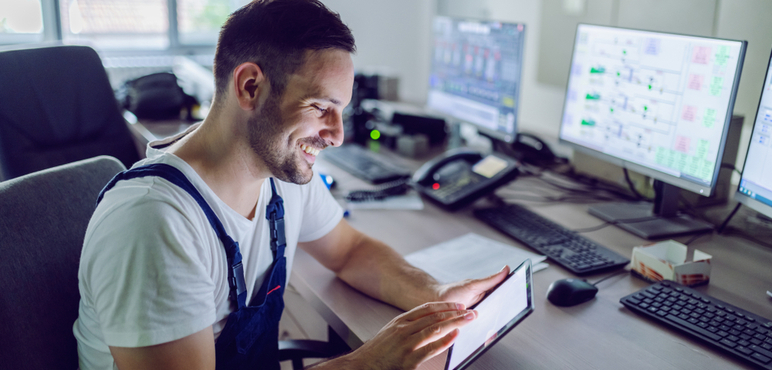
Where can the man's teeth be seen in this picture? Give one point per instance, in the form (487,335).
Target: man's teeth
(309,150)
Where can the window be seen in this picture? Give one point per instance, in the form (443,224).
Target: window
(118,25)
(21,21)
(115,24)
(199,21)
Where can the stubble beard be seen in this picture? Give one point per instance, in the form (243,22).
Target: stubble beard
(267,141)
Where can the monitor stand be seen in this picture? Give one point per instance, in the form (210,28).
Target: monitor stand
(665,222)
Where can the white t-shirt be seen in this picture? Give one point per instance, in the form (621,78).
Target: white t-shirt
(152,269)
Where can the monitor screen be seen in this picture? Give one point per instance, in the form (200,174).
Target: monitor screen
(657,103)
(475,73)
(755,189)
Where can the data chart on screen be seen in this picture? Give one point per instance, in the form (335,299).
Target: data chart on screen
(756,182)
(475,73)
(662,101)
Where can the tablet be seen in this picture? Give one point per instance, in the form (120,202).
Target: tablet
(498,312)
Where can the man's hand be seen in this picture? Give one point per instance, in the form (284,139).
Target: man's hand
(411,338)
(470,291)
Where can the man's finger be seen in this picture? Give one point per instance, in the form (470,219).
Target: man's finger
(430,308)
(434,348)
(434,330)
(437,317)
(489,282)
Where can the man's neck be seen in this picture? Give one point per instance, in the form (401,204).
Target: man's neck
(225,162)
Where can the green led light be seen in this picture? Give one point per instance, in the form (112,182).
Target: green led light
(375,134)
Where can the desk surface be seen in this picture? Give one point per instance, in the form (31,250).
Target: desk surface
(600,334)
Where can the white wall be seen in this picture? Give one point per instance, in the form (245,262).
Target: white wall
(393,36)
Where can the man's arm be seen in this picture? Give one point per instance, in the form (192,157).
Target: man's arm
(196,351)
(377,270)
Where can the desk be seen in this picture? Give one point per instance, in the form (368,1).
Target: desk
(600,334)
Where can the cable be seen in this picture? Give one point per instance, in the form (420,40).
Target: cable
(729,165)
(632,186)
(617,222)
(700,235)
(610,276)
(384,191)
(728,218)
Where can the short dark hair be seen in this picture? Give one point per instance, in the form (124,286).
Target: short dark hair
(275,35)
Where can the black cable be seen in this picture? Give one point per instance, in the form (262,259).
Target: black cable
(728,218)
(616,222)
(610,276)
(700,235)
(582,191)
(384,191)
(632,186)
(729,165)
(597,185)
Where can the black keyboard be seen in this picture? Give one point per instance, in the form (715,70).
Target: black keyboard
(739,332)
(364,164)
(574,252)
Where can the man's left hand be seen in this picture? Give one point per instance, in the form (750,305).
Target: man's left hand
(471,291)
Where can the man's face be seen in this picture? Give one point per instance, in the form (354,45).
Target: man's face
(288,132)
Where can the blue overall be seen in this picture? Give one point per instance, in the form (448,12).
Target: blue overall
(251,334)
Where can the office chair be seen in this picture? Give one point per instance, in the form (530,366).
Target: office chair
(58,107)
(43,220)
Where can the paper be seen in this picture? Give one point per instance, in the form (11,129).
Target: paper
(471,256)
(666,260)
(409,201)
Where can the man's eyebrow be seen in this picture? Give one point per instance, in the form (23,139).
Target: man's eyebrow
(325,98)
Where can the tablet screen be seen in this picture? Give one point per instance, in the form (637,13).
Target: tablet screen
(503,308)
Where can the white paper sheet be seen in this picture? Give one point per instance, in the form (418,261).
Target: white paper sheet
(471,256)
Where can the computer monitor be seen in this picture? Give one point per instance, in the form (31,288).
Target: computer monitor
(659,104)
(755,188)
(475,74)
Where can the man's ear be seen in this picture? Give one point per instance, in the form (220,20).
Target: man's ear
(249,83)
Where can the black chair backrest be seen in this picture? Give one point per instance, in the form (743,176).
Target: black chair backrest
(56,107)
(43,220)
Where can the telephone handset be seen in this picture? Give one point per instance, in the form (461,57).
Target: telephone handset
(461,176)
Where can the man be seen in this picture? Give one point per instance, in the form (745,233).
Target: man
(162,283)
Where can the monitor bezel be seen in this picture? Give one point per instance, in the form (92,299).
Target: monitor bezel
(508,138)
(642,169)
(749,201)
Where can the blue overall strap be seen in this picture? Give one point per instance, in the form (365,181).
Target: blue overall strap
(274,213)
(238,288)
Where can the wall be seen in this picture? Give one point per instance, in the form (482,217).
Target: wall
(392,36)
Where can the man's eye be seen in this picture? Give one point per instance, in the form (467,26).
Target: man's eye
(321,110)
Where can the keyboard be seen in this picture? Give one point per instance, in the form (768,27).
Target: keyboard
(364,164)
(732,329)
(574,252)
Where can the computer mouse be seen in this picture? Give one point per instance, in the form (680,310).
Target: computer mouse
(570,292)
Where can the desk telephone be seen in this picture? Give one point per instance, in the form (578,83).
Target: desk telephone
(460,176)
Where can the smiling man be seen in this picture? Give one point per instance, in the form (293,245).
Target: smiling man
(187,255)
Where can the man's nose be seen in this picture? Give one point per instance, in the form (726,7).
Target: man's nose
(333,133)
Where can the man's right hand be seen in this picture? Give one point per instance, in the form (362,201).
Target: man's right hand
(410,339)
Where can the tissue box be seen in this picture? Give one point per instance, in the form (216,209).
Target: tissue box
(667,261)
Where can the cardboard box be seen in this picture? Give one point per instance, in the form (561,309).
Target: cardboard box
(667,261)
